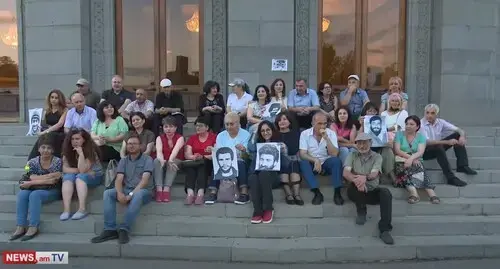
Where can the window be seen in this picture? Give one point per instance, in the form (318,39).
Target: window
(364,37)
(9,69)
(158,39)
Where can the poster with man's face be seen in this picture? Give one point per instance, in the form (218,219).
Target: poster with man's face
(35,121)
(268,157)
(272,109)
(225,163)
(376,127)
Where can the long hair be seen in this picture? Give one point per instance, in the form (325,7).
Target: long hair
(62,100)
(90,149)
(273,92)
(274,137)
(140,115)
(268,93)
(289,116)
(349,123)
(100,111)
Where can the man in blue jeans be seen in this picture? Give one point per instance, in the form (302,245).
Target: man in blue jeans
(318,148)
(133,188)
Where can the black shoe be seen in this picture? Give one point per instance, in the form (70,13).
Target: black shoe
(243,199)
(387,238)
(106,235)
(298,200)
(211,199)
(455,181)
(466,170)
(361,219)
(29,237)
(337,199)
(318,198)
(290,200)
(123,236)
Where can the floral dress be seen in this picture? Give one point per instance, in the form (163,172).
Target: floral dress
(415,175)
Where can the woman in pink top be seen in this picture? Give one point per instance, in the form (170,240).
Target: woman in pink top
(345,128)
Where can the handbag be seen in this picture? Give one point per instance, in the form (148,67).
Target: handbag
(110,175)
(228,191)
(26,177)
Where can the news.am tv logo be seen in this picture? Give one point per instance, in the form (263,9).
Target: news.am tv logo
(35,257)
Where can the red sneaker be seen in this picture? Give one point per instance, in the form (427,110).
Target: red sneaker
(256,219)
(158,196)
(189,200)
(268,216)
(166,196)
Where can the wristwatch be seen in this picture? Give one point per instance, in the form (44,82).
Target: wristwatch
(130,194)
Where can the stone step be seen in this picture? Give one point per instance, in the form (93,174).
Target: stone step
(476,163)
(280,227)
(478,151)
(18,140)
(291,250)
(16,150)
(448,206)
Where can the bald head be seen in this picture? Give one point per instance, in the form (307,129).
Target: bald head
(116,83)
(78,101)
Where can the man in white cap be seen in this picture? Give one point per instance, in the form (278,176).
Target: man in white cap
(117,95)
(353,96)
(168,103)
(92,98)
(362,169)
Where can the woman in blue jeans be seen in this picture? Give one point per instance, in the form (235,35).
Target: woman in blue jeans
(81,170)
(43,185)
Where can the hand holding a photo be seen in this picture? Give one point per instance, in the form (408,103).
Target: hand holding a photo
(241,148)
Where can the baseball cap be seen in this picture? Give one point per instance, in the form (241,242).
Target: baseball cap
(237,82)
(362,137)
(82,81)
(165,83)
(356,77)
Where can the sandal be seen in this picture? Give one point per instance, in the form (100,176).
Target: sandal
(435,200)
(298,199)
(290,200)
(413,199)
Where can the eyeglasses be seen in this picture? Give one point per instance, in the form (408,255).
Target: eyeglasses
(266,131)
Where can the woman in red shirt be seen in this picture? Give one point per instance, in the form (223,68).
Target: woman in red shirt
(169,154)
(198,167)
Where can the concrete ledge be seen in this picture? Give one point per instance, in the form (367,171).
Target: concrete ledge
(296,250)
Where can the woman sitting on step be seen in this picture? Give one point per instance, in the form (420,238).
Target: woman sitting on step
(261,175)
(147,137)
(81,169)
(169,154)
(53,122)
(40,184)
(290,135)
(108,131)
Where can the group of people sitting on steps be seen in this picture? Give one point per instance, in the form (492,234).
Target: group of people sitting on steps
(319,134)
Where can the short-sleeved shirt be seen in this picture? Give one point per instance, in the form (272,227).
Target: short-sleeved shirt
(117,100)
(358,100)
(35,167)
(404,144)
(145,107)
(309,99)
(437,131)
(116,128)
(239,105)
(199,147)
(132,170)
(146,137)
(82,120)
(319,150)
(225,140)
(365,165)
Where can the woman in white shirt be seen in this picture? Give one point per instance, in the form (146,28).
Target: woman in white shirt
(395,115)
(278,93)
(238,100)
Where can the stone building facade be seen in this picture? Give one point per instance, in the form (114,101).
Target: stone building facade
(452,55)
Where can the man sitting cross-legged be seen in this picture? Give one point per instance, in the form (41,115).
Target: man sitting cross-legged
(133,187)
(362,169)
(318,151)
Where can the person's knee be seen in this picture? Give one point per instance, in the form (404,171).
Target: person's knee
(385,193)
(109,194)
(334,161)
(82,178)
(69,177)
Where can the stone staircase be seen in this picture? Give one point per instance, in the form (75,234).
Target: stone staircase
(465,225)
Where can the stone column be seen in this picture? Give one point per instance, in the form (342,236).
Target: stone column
(215,42)
(56,47)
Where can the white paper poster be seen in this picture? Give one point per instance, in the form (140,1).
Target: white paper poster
(268,157)
(35,121)
(279,65)
(225,163)
(272,109)
(375,126)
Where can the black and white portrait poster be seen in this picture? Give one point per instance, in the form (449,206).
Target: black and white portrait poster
(279,65)
(375,126)
(225,163)
(268,157)
(272,109)
(35,121)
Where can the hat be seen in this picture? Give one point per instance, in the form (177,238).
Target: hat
(356,77)
(165,83)
(363,137)
(82,81)
(237,82)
